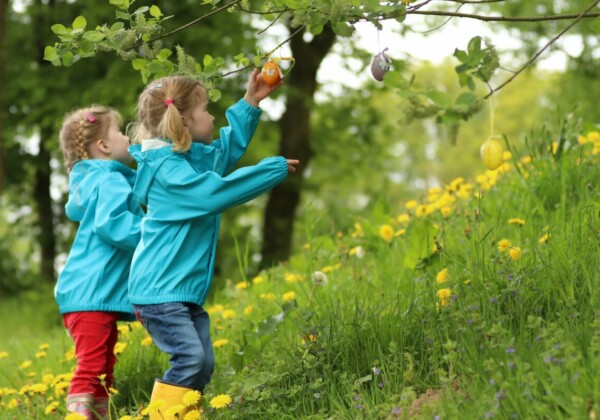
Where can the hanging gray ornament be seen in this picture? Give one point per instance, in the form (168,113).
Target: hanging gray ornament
(380,65)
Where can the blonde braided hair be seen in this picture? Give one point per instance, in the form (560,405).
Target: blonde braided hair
(81,128)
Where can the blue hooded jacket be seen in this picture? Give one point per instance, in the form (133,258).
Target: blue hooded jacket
(185,194)
(95,275)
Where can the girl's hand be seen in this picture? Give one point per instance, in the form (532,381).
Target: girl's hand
(292,165)
(258,89)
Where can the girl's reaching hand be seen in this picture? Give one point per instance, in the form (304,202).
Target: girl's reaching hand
(292,165)
(258,89)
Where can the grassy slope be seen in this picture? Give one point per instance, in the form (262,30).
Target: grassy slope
(505,337)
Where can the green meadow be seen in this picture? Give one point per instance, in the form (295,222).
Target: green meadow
(477,299)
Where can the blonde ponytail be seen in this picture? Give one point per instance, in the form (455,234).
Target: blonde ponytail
(161,107)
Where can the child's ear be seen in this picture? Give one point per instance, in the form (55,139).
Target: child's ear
(102,146)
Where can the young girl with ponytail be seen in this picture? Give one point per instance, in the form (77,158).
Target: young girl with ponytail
(185,180)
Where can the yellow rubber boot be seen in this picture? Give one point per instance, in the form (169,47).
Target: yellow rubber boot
(172,395)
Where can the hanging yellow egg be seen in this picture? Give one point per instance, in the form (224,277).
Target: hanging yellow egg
(492,153)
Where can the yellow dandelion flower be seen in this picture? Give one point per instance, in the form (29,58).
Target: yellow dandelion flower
(124,329)
(113,391)
(411,204)
(154,406)
(442,276)
(544,238)
(120,347)
(3,355)
(191,398)
(386,232)
(192,415)
(51,408)
(44,346)
(503,245)
(39,388)
(400,232)
(146,341)
(593,136)
(220,401)
(242,285)
(515,253)
(126,417)
(327,269)
(75,416)
(292,278)
(40,354)
(48,378)
(102,377)
(516,221)
(403,218)
(443,295)
(581,139)
(220,343)
(174,411)
(289,296)
(13,403)
(229,314)
(248,310)
(358,230)
(215,309)
(268,296)
(446,211)
(60,387)
(26,364)
(421,210)
(258,280)
(70,355)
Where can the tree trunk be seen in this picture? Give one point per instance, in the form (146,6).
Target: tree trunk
(3,8)
(46,236)
(294,143)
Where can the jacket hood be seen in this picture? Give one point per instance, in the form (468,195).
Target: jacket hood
(149,162)
(83,180)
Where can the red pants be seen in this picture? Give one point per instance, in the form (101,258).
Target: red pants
(95,335)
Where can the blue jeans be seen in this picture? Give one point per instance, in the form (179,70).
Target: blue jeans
(182,330)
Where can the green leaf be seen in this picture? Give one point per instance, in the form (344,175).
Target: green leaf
(121,4)
(420,242)
(256,60)
(50,54)
(122,15)
(207,60)
(117,26)
(474,45)
(59,29)
(79,23)
(164,54)
(93,36)
(395,80)
(466,98)
(139,63)
(214,95)
(141,10)
(440,98)
(155,12)
(67,59)
(343,29)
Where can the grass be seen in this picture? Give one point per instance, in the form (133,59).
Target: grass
(452,308)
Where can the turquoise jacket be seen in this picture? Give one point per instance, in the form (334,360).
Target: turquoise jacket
(95,275)
(185,194)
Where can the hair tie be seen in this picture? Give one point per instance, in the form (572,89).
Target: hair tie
(89,117)
(168,102)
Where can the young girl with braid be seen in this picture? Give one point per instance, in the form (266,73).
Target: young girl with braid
(185,179)
(92,288)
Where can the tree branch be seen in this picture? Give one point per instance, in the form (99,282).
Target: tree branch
(297,31)
(552,41)
(193,22)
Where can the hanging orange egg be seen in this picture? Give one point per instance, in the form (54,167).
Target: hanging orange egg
(271,73)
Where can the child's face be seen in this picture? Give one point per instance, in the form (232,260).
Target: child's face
(117,143)
(199,121)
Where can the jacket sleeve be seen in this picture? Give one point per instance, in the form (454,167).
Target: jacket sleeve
(114,222)
(243,119)
(183,194)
